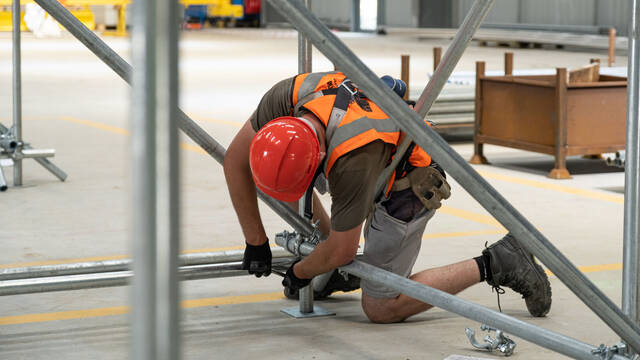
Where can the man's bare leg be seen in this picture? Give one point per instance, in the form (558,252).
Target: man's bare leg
(450,278)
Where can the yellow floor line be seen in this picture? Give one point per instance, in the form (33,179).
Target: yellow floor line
(618,199)
(594,268)
(62,261)
(120,131)
(468,215)
(96,125)
(464,234)
(196,303)
(121,310)
(216,121)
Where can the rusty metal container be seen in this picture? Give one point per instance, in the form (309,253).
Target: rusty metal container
(549,115)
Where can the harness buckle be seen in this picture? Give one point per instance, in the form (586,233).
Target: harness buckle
(353,92)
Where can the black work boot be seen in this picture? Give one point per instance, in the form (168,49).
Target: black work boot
(336,283)
(514,267)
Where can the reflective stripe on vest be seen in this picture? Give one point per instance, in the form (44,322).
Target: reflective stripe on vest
(311,83)
(354,129)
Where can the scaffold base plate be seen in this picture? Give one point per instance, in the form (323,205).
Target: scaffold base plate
(317,312)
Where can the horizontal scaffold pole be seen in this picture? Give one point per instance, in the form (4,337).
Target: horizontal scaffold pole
(91,267)
(413,124)
(122,278)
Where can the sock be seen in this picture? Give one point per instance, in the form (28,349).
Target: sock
(483,266)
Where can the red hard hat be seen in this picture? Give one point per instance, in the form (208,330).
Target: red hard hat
(284,156)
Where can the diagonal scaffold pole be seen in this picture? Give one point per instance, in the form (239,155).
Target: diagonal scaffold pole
(467,177)
(434,87)
(546,338)
(185,123)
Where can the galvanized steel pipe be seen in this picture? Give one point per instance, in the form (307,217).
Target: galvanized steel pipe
(440,76)
(124,264)
(3,181)
(631,249)
(546,338)
(466,176)
(304,49)
(186,124)
(155,169)
(305,295)
(535,334)
(122,278)
(17,90)
(42,161)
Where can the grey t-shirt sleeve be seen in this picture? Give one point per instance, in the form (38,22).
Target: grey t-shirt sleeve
(275,103)
(352,182)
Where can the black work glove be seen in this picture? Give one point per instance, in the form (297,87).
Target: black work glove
(292,281)
(257,259)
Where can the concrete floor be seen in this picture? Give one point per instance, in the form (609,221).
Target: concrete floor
(75,104)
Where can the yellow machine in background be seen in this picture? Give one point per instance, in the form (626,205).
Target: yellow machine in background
(225,9)
(6,21)
(80,9)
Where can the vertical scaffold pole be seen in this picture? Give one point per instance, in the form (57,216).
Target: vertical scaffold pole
(305,295)
(17,92)
(304,49)
(155,235)
(355,16)
(304,66)
(631,250)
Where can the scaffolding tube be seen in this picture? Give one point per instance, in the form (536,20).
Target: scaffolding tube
(305,295)
(631,250)
(186,124)
(155,200)
(466,176)
(546,338)
(17,91)
(44,162)
(124,264)
(304,49)
(122,278)
(440,76)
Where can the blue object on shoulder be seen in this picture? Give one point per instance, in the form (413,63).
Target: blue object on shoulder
(397,85)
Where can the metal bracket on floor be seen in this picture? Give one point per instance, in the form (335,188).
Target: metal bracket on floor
(607,352)
(11,150)
(294,242)
(501,343)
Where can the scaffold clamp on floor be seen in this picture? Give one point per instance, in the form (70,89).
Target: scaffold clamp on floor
(12,149)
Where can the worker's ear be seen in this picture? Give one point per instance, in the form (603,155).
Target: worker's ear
(321,156)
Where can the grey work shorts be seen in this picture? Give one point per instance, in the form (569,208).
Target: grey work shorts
(393,245)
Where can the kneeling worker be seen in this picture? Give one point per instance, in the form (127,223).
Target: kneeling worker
(321,123)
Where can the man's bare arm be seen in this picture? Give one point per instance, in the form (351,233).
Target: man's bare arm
(339,249)
(241,186)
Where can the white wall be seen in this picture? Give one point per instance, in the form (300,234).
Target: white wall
(402,13)
(333,12)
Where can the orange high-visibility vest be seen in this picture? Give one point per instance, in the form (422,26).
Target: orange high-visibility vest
(356,128)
